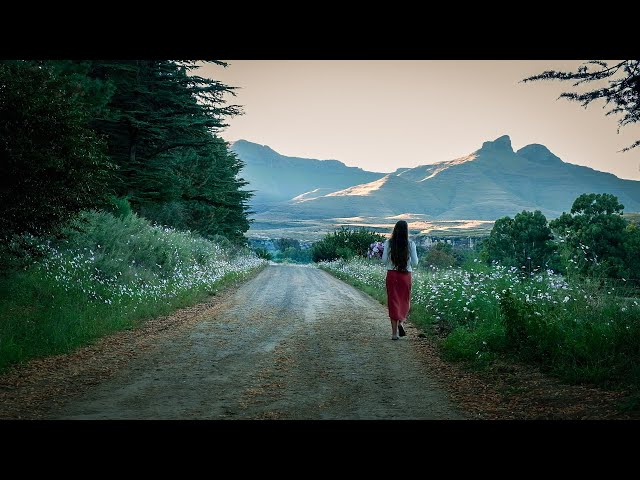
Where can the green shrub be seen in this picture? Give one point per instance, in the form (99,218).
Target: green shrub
(283,243)
(444,255)
(477,342)
(263,253)
(594,235)
(106,274)
(582,329)
(439,256)
(524,241)
(119,207)
(296,255)
(344,243)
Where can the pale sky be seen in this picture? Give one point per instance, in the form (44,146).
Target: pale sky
(383,114)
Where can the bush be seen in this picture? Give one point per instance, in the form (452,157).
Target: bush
(106,274)
(444,255)
(439,256)
(18,253)
(119,207)
(290,251)
(593,235)
(631,248)
(263,253)
(344,243)
(579,329)
(345,252)
(295,255)
(523,242)
(283,243)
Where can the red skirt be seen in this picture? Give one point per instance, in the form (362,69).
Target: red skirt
(398,294)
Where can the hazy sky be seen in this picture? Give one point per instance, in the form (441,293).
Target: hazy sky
(381,115)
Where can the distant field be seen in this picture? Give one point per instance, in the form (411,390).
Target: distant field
(311,230)
(265,227)
(632,217)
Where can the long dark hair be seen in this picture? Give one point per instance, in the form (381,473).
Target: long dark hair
(399,245)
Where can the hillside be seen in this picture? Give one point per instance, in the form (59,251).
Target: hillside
(277,178)
(489,183)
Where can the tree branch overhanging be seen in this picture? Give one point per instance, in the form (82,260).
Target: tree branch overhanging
(621,94)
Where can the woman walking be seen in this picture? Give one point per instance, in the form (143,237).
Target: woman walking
(399,254)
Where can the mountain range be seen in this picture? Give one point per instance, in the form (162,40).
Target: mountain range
(487,184)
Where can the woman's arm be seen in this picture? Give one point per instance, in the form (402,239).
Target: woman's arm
(413,253)
(385,251)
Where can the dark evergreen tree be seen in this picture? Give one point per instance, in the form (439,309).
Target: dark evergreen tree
(161,124)
(621,92)
(52,164)
(211,191)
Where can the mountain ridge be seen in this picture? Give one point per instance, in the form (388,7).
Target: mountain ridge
(278,178)
(491,182)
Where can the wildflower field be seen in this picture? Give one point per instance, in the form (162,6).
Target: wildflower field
(585,330)
(108,274)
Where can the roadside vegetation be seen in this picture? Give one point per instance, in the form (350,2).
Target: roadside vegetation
(119,199)
(104,274)
(563,295)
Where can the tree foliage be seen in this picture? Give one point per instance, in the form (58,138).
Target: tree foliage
(283,243)
(137,135)
(52,163)
(594,234)
(295,255)
(440,256)
(156,107)
(522,241)
(198,189)
(344,243)
(621,92)
(291,250)
(631,248)
(262,252)
(160,121)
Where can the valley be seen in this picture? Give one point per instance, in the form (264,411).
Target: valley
(310,230)
(305,199)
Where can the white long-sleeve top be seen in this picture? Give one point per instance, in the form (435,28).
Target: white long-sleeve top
(412,260)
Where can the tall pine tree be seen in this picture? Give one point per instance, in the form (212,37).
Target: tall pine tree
(161,124)
(52,163)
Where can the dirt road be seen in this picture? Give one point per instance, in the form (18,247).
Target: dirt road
(291,343)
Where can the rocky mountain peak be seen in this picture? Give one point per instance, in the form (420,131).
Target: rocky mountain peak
(538,153)
(502,143)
